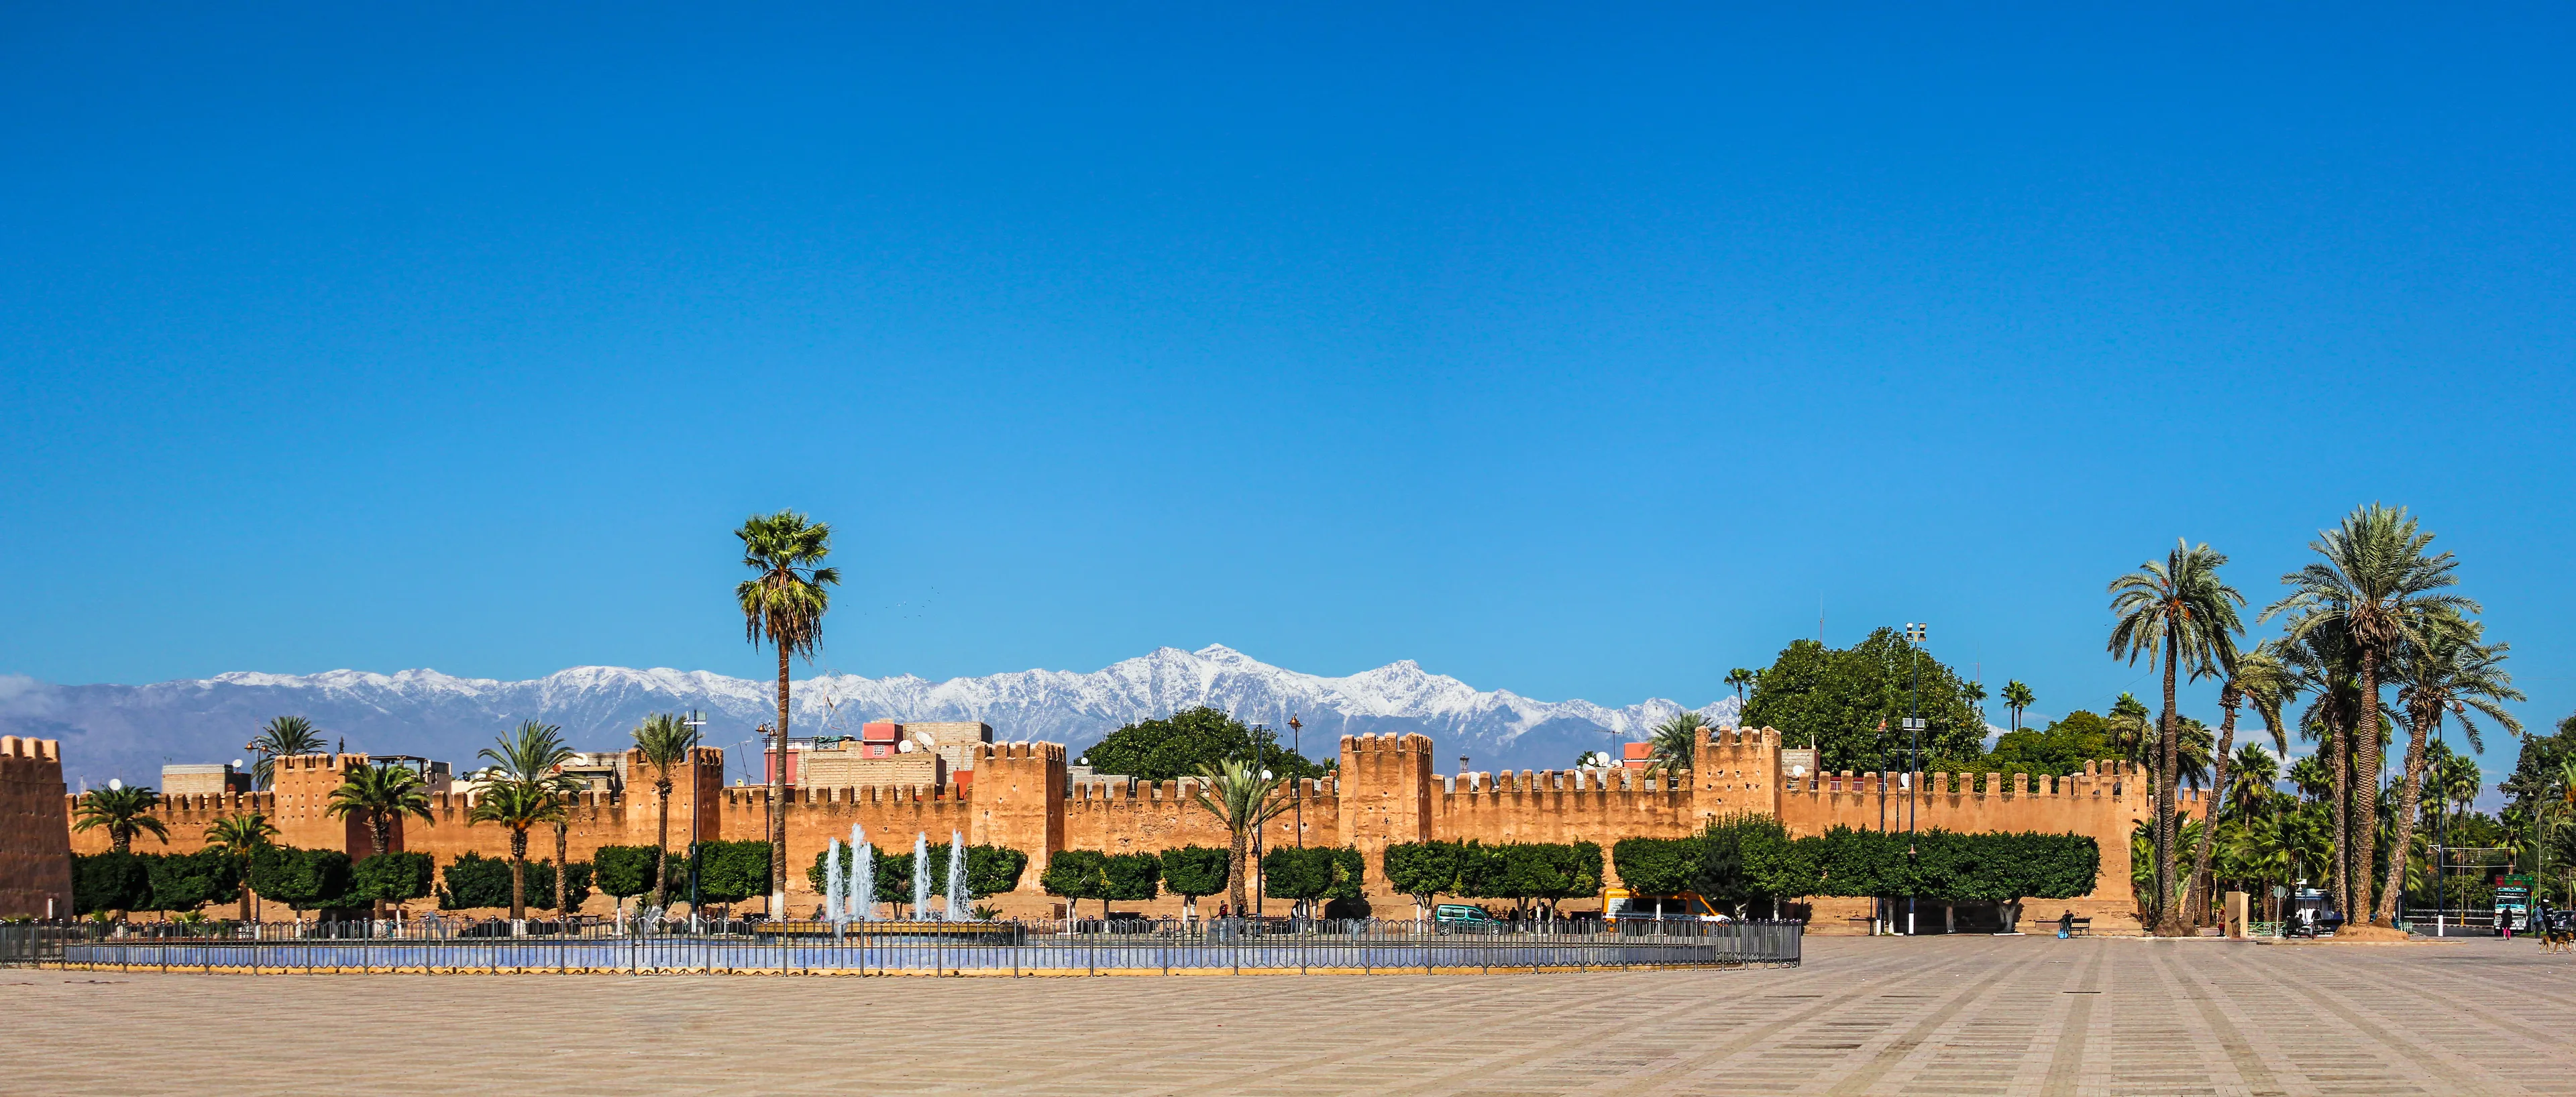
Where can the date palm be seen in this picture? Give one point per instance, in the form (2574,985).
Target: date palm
(1670,746)
(518,805)
(123,813)
(379,794)
(1742,679)
(534,755)
(283,737)
(2449,674)
(2262,679)
(2017,697)
(783,606)
(2251,779)
(663,743)
(2183,610)
(2380,585)
(1243,798)
(241,837)
(2328,670)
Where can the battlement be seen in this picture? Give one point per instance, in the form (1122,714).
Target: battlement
(49,750)
(1409,743)
(1021,752)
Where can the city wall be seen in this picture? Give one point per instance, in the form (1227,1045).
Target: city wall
(35,834)
(1383,791)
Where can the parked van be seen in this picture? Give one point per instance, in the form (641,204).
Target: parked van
(1462,916)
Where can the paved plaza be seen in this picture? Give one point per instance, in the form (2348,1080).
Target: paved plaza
(1929,1016)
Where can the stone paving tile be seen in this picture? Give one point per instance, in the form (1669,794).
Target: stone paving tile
(1932,1016)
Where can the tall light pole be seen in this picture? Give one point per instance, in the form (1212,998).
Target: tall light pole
(695,722)
(1297,788)
(1914,634)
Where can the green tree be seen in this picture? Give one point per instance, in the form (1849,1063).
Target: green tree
(518,805)
(625,872)
(2058,750)
(663,743)
(532,758)
(1423,870)
(2263,679)
(1074,875)
(2450,673)
(1843,700)
(1656,866)
(283,737)
(240,837)
(1243,799)
(123,813)
(391,877)
(1189,741)
(185,881)
(730,872)
(2380,586)
(1670,746)
(2183,609)
(783,606)
(1733,870)
(303,879)
(476,882)
(2017,697)
(1194,871)
(1741,679)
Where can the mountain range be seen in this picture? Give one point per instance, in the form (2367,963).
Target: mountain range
(130,731)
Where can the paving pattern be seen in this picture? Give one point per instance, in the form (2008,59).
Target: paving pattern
(1963,1015)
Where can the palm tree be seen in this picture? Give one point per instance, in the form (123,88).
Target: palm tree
(125,812)
(2017,697)
(2132,732)
(534,755)
(2251,777)
(518,805)
(283,737)
(380,794)
(1975,693)
(783,605)
(2451,672)
(2380,586)
(2184,608)
(1241,798)
(1741,679)
(241,837)
(1672,742)
(663,742)
(2329,672)
(2260,678)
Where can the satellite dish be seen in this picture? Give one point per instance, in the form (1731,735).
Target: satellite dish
(113,784)
(1797,771)
(904,747)
(237,763)
(1265,775)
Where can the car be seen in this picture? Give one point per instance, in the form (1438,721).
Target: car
(1621,904)
(1462,918)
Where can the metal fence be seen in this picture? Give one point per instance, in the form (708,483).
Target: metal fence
(922,948)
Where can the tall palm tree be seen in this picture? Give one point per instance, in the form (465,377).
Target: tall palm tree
(1975,694)
(2132,731)
(2182,607)
(518,805)
(2260,678)
(1672,743)
(783,605)
(241,837)
(124,812)
(2329,673)
(2017,697)
(380,794)
(2251,777)
(663,742)
(2377,583)
(283,737)
(2451,673)
(1741,679)
(534,755)
(1242,797)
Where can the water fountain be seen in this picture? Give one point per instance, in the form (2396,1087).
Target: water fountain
(863,875)
(921,875)
(957,896)
(832,883)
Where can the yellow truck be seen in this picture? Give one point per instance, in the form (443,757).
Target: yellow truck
(1618,903)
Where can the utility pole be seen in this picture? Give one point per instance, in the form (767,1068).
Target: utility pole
(1914,633)
(1297,790)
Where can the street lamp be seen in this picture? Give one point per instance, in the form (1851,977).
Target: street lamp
(1915,633)
(695,721)
(1297,787)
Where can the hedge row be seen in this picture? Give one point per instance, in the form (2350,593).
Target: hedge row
(1546,872)
(1748,859)
(302,879)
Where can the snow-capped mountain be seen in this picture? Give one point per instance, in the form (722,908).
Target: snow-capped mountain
(129,731)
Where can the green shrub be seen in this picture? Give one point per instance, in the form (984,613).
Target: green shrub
(303,879)
(1656,866)
(730,872)
(392,877)
(474,882)
(186,881)
(541,884)
(110,881)
(1423,870)
(1194,871)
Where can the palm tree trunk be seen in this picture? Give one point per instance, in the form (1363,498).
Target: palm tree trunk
(2409,797)
(662,844)
(2339,750)
(380,827)
(1234,873)
(563,865)
(518,875)
(778,802)
(2365,786)
(2209,818)
(2168,744)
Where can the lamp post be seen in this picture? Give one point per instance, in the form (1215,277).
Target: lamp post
(1297,785)
(695,722)
(1914,634)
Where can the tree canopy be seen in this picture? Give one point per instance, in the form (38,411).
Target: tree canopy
(1839,697)
(2057,750)
(1180,745)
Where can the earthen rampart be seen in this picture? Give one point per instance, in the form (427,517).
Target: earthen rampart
(35,834)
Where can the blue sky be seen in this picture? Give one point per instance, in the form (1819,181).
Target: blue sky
(1575,353)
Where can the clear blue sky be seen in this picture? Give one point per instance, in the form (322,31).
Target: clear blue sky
(1577,354)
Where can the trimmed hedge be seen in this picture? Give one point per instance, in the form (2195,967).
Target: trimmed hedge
(1078,874)
(1545,872)
(392,877)
(1195,871)
(1315,872)
(624,871)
